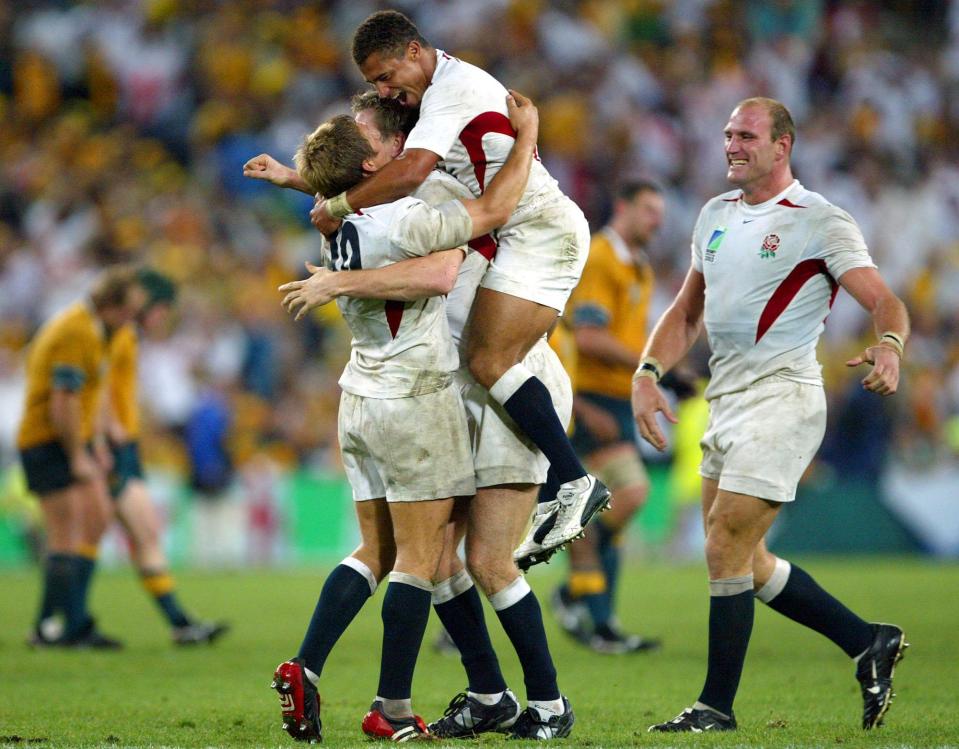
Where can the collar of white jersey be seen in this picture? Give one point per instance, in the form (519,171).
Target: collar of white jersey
(765,206)
(620,248)
(442,60)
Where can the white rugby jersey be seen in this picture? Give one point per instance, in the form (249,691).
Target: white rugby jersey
(436,190)
(399,349)
(463,119)
(771,273)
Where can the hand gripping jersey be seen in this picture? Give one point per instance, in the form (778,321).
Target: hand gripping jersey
(463,119)
(399,349)
(771,273)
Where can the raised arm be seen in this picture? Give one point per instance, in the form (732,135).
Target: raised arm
(503,193)
(267,168)
(891,322)
(673,336)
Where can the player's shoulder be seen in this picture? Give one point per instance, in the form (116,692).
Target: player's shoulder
(719,204)
(723,200)
(384,213)
(458,78)
(76,320)
(439,187)
(818,208)
(124,340)
(601,250)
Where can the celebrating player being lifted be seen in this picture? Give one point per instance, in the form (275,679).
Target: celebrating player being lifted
(541,249)
(767,261)
(508,469)
(402,357)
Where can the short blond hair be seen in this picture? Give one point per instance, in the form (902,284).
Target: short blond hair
(782,120)
(331,158)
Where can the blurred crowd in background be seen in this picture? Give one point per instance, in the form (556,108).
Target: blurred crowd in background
(126,124)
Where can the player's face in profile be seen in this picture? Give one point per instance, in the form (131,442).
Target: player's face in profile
(385,148)
(646,212)
(750,150)
(401,78)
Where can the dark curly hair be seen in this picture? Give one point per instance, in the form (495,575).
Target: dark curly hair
(386,32)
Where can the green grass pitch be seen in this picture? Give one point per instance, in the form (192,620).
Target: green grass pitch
(798,689)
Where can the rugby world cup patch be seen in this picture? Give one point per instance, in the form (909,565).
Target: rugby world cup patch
(712,246)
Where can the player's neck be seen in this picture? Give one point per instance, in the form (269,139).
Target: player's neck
(429,63)
(766,189)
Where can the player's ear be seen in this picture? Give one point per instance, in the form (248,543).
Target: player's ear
(413,50)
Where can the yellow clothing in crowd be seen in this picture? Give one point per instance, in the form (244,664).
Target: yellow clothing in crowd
(613,293)
(122,380)
(68,353)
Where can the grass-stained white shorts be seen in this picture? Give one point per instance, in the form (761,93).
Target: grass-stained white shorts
(760,440)
(541,251)
(406,449)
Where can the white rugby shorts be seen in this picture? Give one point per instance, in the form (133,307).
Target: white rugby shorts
(541,252)
(502,454)
(760,440)
(406,449)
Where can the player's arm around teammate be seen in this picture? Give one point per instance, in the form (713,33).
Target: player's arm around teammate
(435,273)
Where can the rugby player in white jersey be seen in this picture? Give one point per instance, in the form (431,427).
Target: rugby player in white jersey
(767,261)
(508,467)
(541,249)
(417,236)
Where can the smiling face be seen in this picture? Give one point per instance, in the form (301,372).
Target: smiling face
(755,162)
(404,78)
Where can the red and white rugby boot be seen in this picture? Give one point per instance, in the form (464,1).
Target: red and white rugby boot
(377,725)
(299,701)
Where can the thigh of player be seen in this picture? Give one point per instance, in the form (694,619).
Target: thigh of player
(541,253)
(760,441)
(501,453)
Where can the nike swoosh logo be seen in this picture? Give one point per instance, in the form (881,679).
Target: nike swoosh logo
(748,220)
(873,690)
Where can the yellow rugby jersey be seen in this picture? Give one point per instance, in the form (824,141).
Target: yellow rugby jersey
(561,340)
(122,380)
(69,353)
(613,293)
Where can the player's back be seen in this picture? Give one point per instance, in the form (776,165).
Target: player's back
(67,351)
(399,348)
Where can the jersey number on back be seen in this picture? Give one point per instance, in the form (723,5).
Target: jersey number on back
(345,249)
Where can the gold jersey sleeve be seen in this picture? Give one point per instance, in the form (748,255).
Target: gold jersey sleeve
(67,353)
(562,341)
(614,294)
(122,380)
